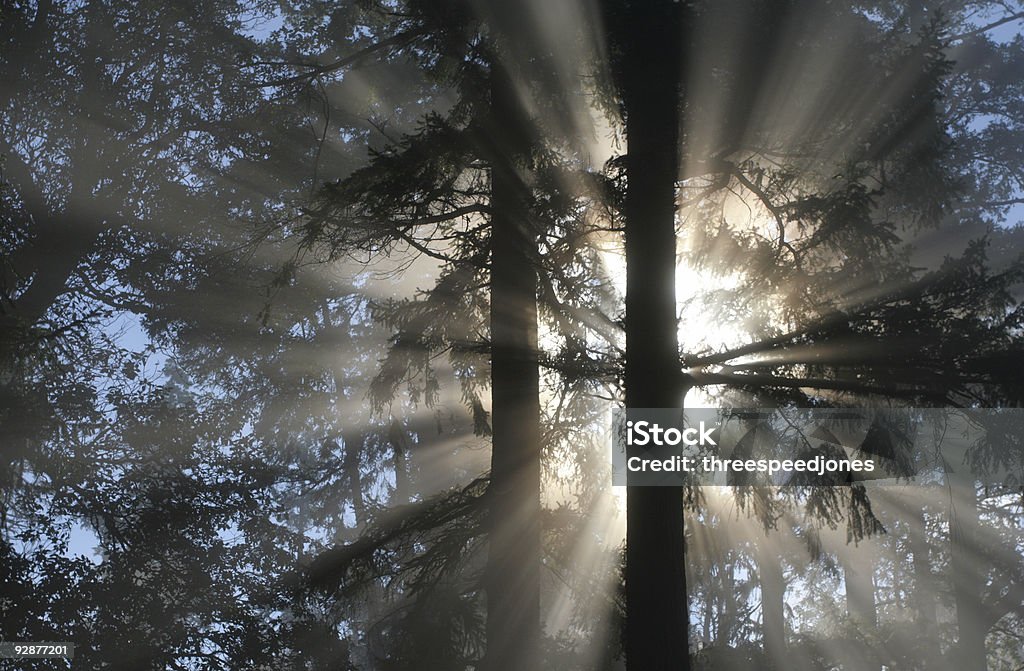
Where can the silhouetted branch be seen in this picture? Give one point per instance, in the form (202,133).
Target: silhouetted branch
(984,29)
(400,40)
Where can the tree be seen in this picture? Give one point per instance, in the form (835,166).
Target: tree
(840,230)
(187,387)
(487,134)
(840,233)
(514,551)
(128,134)
(656,612)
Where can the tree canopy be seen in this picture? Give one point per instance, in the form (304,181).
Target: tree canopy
(312,318)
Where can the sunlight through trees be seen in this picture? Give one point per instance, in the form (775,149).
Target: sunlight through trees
(313,316)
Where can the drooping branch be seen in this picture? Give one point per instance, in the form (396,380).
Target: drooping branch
(775,211)
(329,569)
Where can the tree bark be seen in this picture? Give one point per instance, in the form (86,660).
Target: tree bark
(512,579)
(657,617)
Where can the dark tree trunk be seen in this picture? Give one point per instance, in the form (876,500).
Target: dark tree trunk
(657,618)
(513,567)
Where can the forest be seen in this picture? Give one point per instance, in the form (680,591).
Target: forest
(315,316)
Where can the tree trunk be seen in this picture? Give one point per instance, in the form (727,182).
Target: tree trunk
(858,579)
(773,609)
(512,578)
(727,609)
(657,617)
(64,234)
(968,582)
(353,441)
(924,581)
(399,439)
(860,586)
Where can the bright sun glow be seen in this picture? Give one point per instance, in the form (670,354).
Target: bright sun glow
(693,288)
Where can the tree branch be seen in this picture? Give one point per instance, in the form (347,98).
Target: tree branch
(984,29)
(401,40)
(855,386)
